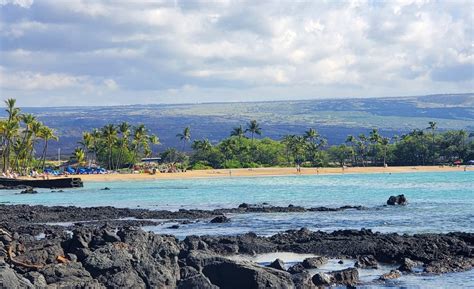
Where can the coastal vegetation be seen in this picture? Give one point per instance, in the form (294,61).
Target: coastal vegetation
(21,135)
(116,146)
(418,147)
(24,145)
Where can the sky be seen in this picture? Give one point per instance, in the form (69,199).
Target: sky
(74,52)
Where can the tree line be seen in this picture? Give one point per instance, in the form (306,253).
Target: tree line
(418,147)
(24,142)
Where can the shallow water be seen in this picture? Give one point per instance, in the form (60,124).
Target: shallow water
(438,202)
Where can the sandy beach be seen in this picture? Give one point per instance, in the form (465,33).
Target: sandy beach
(256,172)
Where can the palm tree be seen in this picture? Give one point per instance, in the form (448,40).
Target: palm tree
(351,140)
(374,138)
(385,141)
(432,125)
(227,149)
(238,131)
(11,130)
(202,145)
(463,135)
(419,136)
(311,135)
(185,136)
(299,146)
(139,136)
(254,128)
(109,133)
(87,143)
(46,134)
(30,144)
(288,141)
(124,129)
(154,140)
(28,120)
(96,142)
(362,147)
(79,155)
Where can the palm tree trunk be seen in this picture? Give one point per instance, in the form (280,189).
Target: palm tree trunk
(354,157)
(44,153)
(29,158)
(120,157)
(433,148)
(109,165)
(7,156)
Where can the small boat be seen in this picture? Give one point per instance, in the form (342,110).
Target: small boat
(56,183)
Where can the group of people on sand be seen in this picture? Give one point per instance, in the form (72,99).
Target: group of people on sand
(9,175)
(34,174)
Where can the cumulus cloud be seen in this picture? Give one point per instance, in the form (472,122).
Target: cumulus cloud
(21,3)
(27,80)
(193,51)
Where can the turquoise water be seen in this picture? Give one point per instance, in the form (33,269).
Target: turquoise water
(438,202)
(451,189)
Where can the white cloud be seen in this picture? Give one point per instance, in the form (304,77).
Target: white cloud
(26,80)
(21,3)
(111,84)
(259,50)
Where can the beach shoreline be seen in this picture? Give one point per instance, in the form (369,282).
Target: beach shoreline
(264,172)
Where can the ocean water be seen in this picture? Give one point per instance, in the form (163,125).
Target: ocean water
(438,202)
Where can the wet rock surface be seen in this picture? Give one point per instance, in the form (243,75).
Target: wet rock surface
(117,255)
(278,264)
(349,276)
(29,190)
(43,214)
(408,265)
(393,274)
(314,262)
(296,269)
(220,219)
(397,200)
(366,261)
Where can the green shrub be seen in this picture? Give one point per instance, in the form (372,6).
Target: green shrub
(232,164)
(201,166)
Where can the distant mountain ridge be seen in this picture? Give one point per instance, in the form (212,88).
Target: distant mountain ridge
(333,118)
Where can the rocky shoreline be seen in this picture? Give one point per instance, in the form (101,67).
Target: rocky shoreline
(118,255)
(28,215)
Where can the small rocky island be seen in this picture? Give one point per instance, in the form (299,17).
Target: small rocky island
(108,252)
